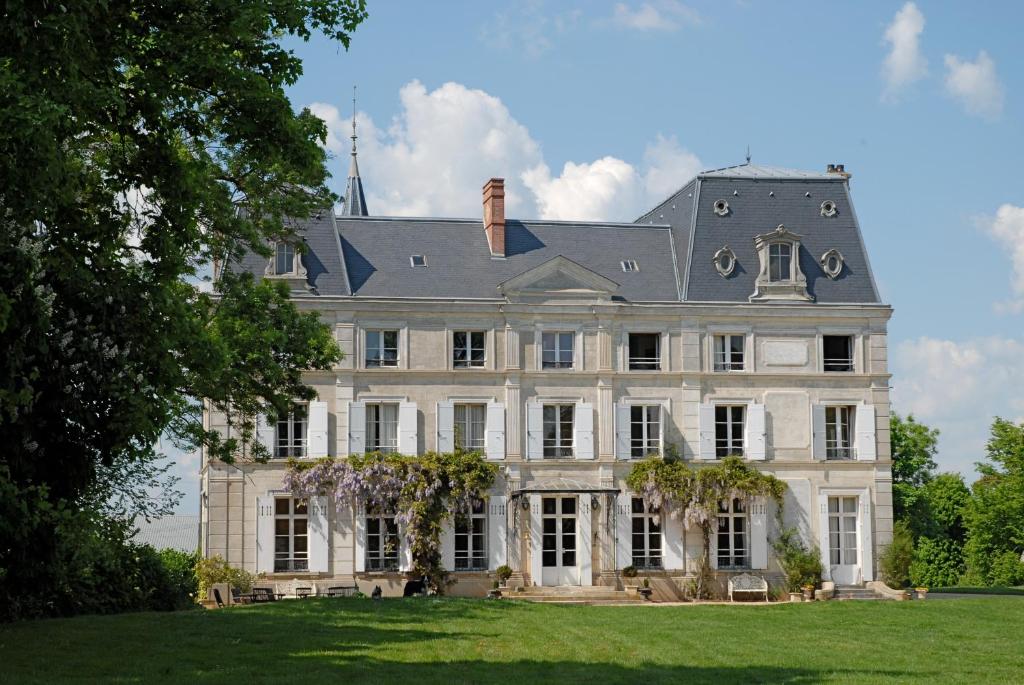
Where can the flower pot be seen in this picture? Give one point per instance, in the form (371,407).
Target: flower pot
(808,594)
(922,592)
(645,592)
(796,597)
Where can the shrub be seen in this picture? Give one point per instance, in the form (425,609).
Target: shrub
(800,563)
(898,556)
(1007,570)
(937,563)
(504,572)
(216,570)
(629,572)
(181,571)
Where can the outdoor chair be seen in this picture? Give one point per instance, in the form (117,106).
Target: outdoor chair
(303,592)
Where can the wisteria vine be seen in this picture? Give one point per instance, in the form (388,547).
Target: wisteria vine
(422,492)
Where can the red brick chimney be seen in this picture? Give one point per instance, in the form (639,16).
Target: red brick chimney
(494,215)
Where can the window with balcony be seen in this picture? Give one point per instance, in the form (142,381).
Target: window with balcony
(558,430)
(381,349)
(644,351)
(557,350)
(729,352)
(729,420)
(837,352)
(291,537)
(382,427)
(468,349)
(290,433)
(644,430)
(838,432)
(470,426)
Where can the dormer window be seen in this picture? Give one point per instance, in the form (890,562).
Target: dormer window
(284,259)
(418,260)
(630,265)
(780,259)
(779,277)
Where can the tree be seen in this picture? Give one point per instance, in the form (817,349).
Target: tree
(913,450)
(994,516)
(134,134)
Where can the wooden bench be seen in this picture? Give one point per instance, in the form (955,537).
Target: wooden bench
(748,583)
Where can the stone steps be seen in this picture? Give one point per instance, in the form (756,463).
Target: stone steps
(854,592)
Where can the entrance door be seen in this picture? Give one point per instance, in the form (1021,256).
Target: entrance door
(842,540)
(558,555)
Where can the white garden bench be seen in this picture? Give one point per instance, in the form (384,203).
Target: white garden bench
(746,582)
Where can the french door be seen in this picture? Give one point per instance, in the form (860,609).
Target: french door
(559,542)
(844,564)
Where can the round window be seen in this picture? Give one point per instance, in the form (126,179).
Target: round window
(721,207)
(724,261)
(832,263)
(828,208)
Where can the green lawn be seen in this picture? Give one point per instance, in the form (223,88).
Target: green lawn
(451,640)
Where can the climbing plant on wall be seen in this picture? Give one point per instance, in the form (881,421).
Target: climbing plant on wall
(693,494)
(423,492)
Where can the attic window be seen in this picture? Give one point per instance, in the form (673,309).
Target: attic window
(630,265)
(724,261)
(828,208)
(418,260)
(721,207)
(832,263)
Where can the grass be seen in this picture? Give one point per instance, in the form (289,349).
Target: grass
(979,590)
(453,640)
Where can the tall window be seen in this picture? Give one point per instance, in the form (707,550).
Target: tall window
(644,430)
(284,259)
(838,352)
(291,433)
(838,432)
(468,349)
(729,430)
(733,540)
(291,538)
(557,350)
(471,539)
(842,531)
(780,255)
(381,543)
(644,351)
(646,536)
(381,348)
(558,422)
(470,424)
(729,352)
(382,427)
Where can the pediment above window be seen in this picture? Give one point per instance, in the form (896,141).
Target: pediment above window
(559,278)
(780,277)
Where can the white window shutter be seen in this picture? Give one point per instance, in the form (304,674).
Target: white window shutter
(497,531)
(864,424)
(818,427)
(408,444)
(319,535)
(404,551)
(264,535)
(494,435)
(360,520)
(445,427)
(867,551)
(586,541)
(583,431)
(623,431)
(266,432)
(624,530)
(317,435)
(758,534)
(823,537)
(706,416)
(448,544)
(756,449)
(536,541)
(356,427)
(534,430)
(671,542)
(713,543)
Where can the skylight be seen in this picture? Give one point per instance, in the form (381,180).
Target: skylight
(630,265)
(418,260)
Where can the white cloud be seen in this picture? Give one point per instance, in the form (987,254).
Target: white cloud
(659,15)
(958,387)
(435,156)
(1007,228)
(904,64)
(528,28)
(975,85)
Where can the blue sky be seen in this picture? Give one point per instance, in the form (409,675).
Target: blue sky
(598,110)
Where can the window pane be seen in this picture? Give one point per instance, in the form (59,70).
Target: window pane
(550,505)
(282,505)
(568,506)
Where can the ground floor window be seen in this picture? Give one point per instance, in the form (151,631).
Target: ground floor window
(733,539)
(471,539)
(381,543)
(291,538)
(646,536)
(842,531)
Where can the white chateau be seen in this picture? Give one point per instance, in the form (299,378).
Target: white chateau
(739,316)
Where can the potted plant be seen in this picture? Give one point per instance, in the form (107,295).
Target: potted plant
(646,590)
(503,572)
(494,592)
(922,592)
(808,590)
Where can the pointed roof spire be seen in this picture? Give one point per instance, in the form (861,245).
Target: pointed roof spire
(355,201)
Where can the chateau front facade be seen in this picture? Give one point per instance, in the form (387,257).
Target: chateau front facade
(740,316)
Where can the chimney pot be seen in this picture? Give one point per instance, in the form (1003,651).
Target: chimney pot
(831,169)
(494,216)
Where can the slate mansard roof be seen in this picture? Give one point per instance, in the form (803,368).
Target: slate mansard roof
(673,245)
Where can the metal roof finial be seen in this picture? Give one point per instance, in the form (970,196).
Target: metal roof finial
(748,146)
(354,121)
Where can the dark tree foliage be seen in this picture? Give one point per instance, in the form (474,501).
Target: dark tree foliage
(131,133)
(913,463)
